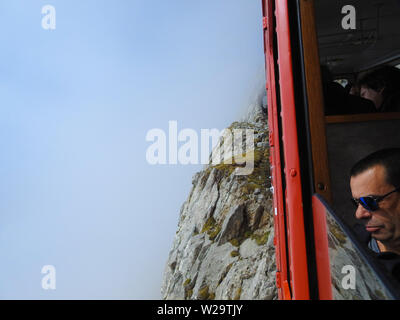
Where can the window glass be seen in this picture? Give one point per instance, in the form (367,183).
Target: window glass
(354,274)
(356,38)
(352,277)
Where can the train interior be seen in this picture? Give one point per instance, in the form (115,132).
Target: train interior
(349,54)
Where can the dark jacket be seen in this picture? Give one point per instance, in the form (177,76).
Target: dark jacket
(391,103)
(389,260)
(339,102)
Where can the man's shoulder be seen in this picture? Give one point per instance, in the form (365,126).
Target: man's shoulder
(390,260)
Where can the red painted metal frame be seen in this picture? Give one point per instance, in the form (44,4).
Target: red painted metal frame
(321,250)
(282,276)
(297,254)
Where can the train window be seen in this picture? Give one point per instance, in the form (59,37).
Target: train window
(356,37)
(354,274)
(343,82)
(352,38)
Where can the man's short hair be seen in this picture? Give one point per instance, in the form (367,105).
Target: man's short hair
(386,78)
(388,158)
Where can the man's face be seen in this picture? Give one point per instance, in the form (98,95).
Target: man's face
(384,223)
(375,96)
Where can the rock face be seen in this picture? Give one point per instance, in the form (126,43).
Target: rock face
(223,248)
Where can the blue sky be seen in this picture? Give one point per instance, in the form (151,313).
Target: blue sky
(75,106)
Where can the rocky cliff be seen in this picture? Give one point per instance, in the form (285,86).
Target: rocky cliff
(223,247)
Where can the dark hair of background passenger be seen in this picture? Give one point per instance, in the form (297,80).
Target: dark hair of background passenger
(386,78)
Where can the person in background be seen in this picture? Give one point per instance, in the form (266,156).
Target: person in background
(382,87)
(354,89)
(337,99)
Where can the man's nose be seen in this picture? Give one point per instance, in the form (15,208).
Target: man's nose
(362,213)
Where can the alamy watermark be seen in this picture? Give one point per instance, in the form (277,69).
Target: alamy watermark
(232,147)
(49,17)
(49,280)
(349,280)
(349,20)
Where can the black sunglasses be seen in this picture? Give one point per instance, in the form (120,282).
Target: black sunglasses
(370,203)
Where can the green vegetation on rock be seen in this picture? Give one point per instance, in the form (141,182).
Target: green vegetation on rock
(238,294)
(234,253)
(203,293)
(338,234)
(212,228)
(214,232)
(235,242)
(210,224)
(260,239)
